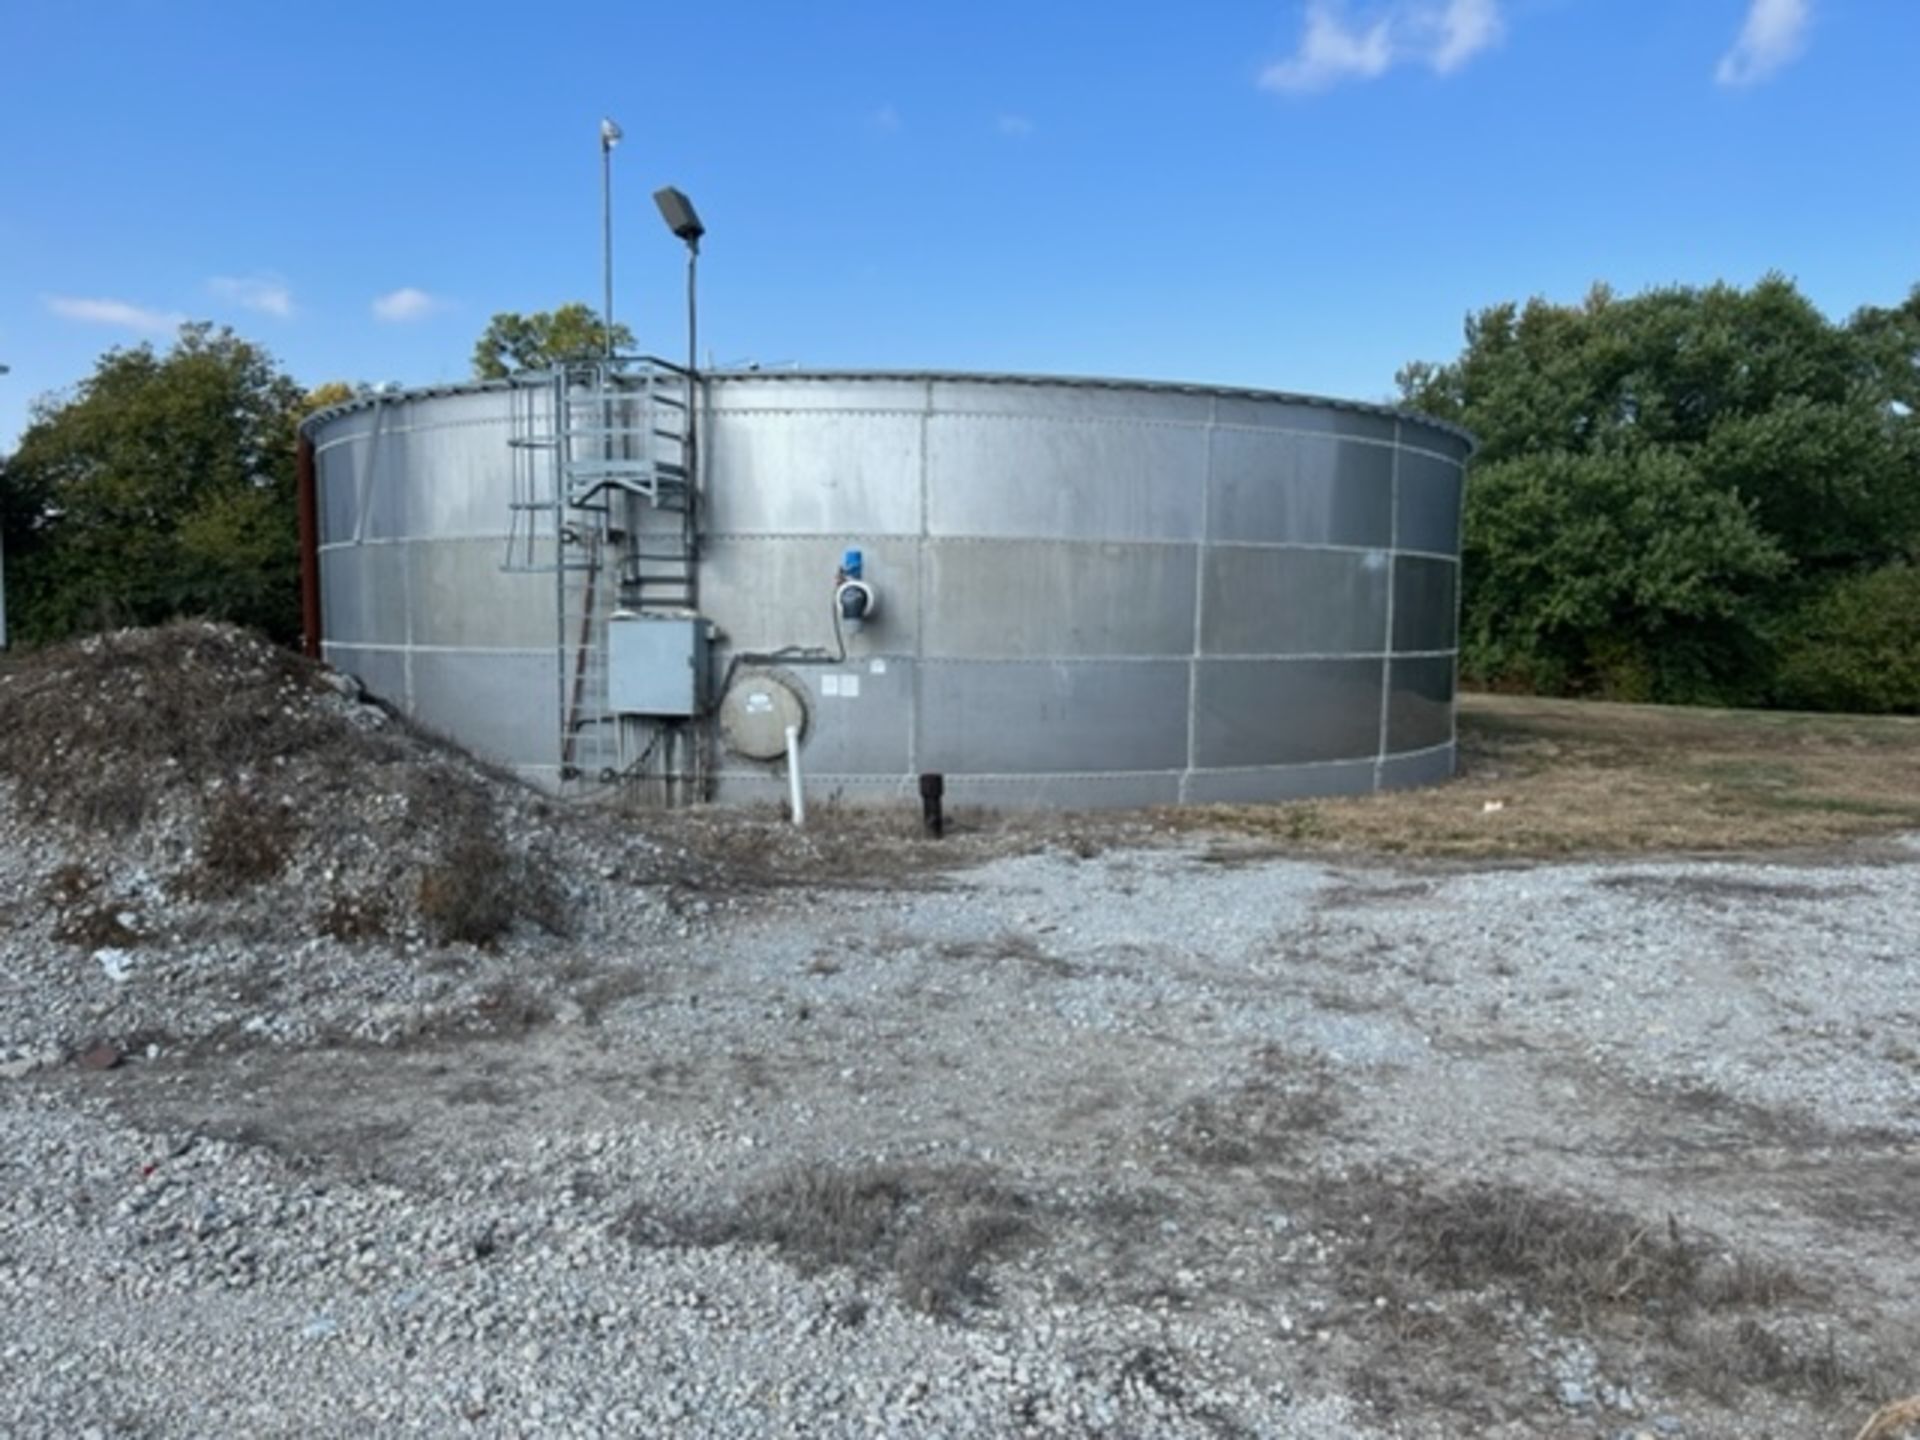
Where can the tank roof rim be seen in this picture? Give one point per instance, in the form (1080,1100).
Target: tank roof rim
(310,425)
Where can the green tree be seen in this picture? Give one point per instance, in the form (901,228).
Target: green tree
(1665,481)
(326,395)
(1623,573)
(162,485)
(1891,341)
(513,341)
(1856,645)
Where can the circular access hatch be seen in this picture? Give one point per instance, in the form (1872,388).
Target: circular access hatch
(755,713)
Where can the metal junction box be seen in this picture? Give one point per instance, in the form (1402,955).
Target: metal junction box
(657,664)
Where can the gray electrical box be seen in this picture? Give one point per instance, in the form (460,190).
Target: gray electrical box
(657,664)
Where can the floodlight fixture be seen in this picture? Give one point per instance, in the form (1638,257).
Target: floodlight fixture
(677,210)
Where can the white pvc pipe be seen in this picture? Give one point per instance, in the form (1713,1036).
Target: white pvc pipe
(796,800)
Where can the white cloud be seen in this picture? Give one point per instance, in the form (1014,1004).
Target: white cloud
(268,294)
(114,312)
(1466,27)
(1014,127)
(1773,36)
(1335,46)
(406,304)
(1331,52)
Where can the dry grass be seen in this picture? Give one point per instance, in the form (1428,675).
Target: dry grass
(1718,1360)
(866,847)
(934,1230)
(245,840)
(845,847)
(1270,1118)
(1566,777)
(86,913)
(1008,945)
(1548,1249)
(1892,1420)
(356,918)
(1714,1322)
(477,888)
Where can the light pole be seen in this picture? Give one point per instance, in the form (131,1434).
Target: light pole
(610,136)
(677,210)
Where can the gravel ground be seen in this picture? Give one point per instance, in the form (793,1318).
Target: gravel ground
(346,1087)
(1158,1139)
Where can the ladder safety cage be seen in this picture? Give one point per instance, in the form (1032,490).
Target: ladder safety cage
(603,496)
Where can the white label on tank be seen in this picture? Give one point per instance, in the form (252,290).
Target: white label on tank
(876,667)
(829,684)
(850,686)
(758,702)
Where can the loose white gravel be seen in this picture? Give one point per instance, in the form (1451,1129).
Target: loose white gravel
(426,1237)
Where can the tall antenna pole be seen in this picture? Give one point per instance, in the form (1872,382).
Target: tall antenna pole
(609,137)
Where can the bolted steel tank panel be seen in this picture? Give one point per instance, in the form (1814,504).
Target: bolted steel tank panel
(1087,592)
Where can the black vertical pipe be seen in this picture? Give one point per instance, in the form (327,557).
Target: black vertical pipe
(933,787)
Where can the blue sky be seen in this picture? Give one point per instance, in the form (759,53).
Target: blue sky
(1290,194)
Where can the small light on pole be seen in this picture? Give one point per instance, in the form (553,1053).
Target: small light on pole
(677,210)
(684,221)
(610,136)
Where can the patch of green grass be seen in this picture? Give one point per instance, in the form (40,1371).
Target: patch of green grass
(1842,805)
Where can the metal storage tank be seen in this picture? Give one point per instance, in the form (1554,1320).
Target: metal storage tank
(1078,592)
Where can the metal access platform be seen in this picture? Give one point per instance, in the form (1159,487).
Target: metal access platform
(605,497)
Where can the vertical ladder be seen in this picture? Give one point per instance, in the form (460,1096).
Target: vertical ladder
(603,495)
(533,500)
(662,561)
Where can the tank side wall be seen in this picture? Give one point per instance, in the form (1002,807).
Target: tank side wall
(1423,618)
(1028,477)
(413,503)
(1093,592)
(1047,599)
(1294,602)
(1283,488)
(1088,595)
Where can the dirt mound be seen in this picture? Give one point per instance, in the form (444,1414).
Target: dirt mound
(237,761)
(235,842)
(101,730)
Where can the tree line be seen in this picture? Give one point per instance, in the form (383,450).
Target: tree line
(1693,495)
(163,483)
